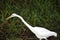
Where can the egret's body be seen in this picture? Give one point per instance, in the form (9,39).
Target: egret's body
(40,32)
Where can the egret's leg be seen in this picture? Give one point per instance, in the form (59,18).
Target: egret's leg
(40,39)
(46,39)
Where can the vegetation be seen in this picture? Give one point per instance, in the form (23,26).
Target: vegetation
(44,13)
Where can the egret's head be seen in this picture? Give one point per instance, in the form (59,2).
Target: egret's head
(13,15)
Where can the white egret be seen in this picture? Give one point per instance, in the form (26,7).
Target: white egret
(40,32)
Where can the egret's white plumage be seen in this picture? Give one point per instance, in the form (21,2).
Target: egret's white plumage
(40,32)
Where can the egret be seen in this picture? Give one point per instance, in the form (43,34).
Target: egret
(40,32)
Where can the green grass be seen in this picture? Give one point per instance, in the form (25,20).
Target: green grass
(42,13)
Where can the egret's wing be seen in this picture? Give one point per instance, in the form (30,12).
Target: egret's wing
(42,31)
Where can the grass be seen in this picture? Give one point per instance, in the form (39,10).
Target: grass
(44,13)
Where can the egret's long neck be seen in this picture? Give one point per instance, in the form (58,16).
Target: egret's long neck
(29,26)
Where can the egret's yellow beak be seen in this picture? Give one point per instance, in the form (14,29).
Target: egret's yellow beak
(8,18)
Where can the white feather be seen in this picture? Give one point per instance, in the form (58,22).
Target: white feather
(40,32)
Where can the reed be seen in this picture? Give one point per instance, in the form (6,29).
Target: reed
(36,12)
